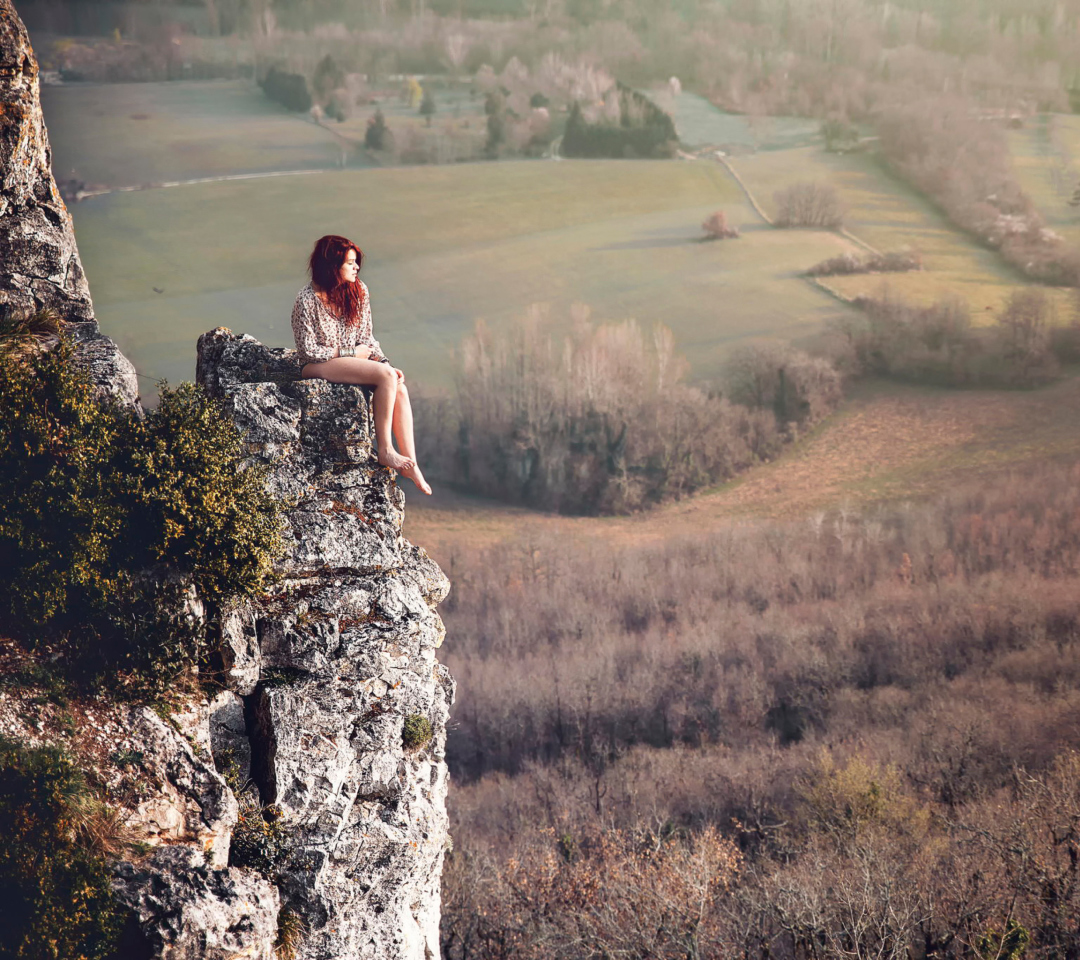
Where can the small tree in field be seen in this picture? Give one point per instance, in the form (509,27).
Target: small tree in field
(427,107)
(378,134)
(716,227)
(809,204)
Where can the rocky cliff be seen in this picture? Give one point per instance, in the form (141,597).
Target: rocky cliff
(330,709)
(39,265)
(337,672)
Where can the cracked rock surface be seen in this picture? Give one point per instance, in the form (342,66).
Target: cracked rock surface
(343,652)
(39,263)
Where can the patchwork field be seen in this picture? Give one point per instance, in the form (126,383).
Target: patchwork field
(888,215)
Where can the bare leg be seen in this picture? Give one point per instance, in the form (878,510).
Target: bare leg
(403,432)
(382,377)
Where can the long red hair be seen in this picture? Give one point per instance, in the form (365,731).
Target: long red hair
(325,262)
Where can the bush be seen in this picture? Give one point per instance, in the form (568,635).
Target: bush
(55,884)
(840,136)
(259,839)
(937,344)
(716,227)
(377,136)
(894,261)
(809,205)
(1024,337)
(594,422)
(288,89)
(416,731)
(775,376)
(620,894)
(113,525)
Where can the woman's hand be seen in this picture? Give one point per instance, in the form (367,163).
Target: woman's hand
(361,353)
(400,375)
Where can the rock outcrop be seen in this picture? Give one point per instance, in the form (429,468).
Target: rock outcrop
(39,264)
(335,664)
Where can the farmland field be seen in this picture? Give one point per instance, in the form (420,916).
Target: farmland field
(448,245)
(128,134)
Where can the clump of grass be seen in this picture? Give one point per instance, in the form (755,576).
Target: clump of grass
(260,840)
(290,934)
(416,732)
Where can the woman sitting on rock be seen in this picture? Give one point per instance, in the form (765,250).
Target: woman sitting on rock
(331,321)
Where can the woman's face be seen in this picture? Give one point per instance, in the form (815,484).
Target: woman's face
(350,269)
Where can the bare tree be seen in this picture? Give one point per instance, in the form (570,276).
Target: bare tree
(809,204)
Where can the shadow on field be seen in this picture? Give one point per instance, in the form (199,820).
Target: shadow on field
(645,244)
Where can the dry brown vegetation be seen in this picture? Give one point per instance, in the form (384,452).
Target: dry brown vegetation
(809,204)
(878,710)
(599,421)
(938,343)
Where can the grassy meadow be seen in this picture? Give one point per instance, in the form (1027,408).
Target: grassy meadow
(445,246)
(130,134)
(888,215)
(451,244)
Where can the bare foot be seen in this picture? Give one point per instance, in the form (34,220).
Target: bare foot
(414,474)
(395,461)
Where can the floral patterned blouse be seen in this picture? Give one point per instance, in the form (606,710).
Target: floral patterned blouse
(319,332)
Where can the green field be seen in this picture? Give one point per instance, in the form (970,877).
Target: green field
(128,134)
(700,124)
(447,245)
(451,244)
(1046,158)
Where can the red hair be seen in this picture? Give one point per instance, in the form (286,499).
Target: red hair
(325,263)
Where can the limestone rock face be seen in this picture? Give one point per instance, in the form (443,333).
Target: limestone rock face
(343,652)
(183,911)
(189,801)
(39,264)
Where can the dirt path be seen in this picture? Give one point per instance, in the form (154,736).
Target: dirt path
(85,194)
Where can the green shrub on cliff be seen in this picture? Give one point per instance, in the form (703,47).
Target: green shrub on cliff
(113,524)
(54,879)
(416,731)
(260,840)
